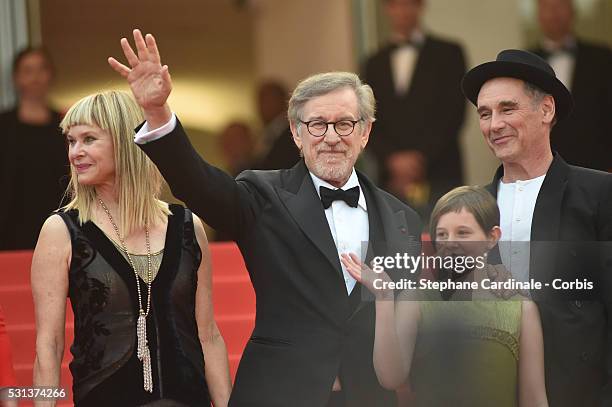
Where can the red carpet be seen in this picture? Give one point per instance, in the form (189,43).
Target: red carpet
(233,298)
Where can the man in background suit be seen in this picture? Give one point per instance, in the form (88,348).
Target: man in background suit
(549,203)
(585,137)
(312,344)
(421,109)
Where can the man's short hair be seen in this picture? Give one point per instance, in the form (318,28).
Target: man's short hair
(537,94)
(324,83)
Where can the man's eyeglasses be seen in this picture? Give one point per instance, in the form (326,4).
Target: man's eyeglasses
(318,128)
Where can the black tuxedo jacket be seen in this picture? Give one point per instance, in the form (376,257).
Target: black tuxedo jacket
(584,138)
(428,117)
(574,205)
(307,329)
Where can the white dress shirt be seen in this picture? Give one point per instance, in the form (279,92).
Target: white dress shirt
(403,62)
(516,202)
(349,226)
(561,60)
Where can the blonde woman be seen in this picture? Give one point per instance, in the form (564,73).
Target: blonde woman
(137,272)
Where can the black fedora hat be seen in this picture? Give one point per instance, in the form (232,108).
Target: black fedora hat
(524,65)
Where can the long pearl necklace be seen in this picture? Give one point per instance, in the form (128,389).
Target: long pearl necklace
(143,352)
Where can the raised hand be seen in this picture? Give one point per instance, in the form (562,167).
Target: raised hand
(149,80)
(366,276)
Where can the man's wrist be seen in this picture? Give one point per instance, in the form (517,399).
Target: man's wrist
(157,117)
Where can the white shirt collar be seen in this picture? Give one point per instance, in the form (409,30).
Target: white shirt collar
(535,180)
(353,181)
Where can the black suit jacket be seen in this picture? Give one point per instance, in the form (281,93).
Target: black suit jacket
(33,178)
(584,138)
(307,329)
(574,205)
(428,117)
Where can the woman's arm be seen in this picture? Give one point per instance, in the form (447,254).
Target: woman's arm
(49,275)
(532,387)
(213,345)
(395,329)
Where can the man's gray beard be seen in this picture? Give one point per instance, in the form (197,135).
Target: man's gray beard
(333,173)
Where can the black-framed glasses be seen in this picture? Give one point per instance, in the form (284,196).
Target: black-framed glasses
(343,128)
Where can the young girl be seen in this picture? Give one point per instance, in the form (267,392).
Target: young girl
(466,353)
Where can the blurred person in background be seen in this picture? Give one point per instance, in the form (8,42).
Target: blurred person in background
(33,155)
(415,78)
(237,147)
(584,138)
(238,150)
(277,147)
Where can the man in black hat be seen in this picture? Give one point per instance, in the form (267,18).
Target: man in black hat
(543,199)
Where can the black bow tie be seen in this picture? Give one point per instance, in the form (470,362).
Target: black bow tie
(350,196)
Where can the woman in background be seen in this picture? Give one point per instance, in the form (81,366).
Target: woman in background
(33,164)
(466,352)
(137,272)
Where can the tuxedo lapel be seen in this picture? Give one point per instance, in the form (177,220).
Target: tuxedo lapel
(420,81)
(304,205)
(388,232)
(547,213)
(386,73)
(582,66)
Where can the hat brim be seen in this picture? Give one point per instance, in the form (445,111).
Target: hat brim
(476,77)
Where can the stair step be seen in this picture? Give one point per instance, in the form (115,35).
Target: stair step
(234,295)
(18,306)
(25,336)
(15,267)
(23,373)
(235,330)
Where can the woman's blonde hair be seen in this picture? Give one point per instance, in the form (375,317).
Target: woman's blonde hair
(474,199)
(138,181)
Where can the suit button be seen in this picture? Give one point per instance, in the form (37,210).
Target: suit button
(403,229)
(578,304)
(584,356)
